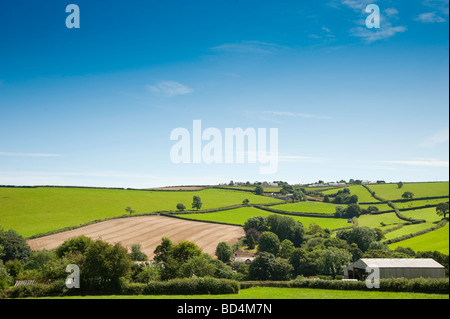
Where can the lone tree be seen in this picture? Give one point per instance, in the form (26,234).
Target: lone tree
(181,207)
(129,210)
(269,242)
(407,195)
(197,202)
(400,184)
(259,190)
(136,253)
(224,252)
(442,209)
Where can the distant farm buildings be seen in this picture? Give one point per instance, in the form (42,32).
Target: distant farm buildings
(245,257)
(396,268)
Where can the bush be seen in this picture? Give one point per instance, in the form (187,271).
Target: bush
(224,251)
(57,288)
(192,286)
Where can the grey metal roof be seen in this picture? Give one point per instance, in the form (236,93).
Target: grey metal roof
(400,262)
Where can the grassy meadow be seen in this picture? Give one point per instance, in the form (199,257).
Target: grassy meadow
(362,193)
(309,207)
(32,211)
(436,240)
(283,293)
(391,191)
(240,215)
(418,203)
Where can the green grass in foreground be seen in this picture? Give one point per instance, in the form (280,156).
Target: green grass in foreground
(286,293)
(31,211)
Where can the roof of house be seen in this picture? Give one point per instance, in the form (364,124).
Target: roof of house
(242,253)
(398,263)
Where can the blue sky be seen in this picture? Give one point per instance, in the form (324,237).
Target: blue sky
(95,106)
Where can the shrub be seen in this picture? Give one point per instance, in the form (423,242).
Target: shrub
(224,252)
(192,286)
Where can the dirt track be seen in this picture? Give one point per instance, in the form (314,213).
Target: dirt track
(148,231)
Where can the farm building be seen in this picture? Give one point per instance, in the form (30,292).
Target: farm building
(396,268)
(245,257)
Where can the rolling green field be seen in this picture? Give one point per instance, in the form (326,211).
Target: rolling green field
(284,293)
(32,211)
(429,214)
(309,207)
(407,229)
(252,188)
(417,203)
(381,207)
(373,221)
(362,193)
(436,240)
(240,215)
(391,191)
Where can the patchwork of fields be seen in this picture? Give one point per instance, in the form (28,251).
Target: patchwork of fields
(33,211)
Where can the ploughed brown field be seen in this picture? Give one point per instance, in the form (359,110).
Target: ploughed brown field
(148,231)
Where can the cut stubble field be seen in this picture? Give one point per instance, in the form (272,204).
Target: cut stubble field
(148,231)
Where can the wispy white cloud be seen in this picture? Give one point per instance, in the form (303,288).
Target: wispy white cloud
(255,47)
(324,33)
(169,88)
(29,154)
(302,115)
(430,17)
(357,4)
(439,5)
(438,138)
(390,12)
(372,35)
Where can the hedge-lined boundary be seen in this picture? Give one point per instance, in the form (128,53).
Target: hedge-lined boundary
(215,286)
(405,200)
(205,211)
(167,213)
(61,230)
(197,220)
(235,189)
(394,228)
(441,224)
(395,208)
(418,285)
(304,214)
(185,286)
